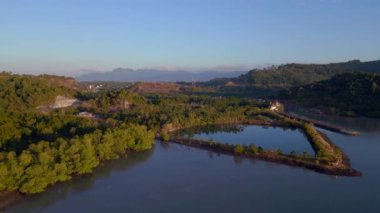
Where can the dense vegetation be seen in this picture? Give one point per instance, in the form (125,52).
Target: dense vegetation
(22,92)
(48,162)
(299,74)
(39,149)
(290,75)
(166,112)
(348,94)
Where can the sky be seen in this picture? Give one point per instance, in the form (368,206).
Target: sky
(70,37)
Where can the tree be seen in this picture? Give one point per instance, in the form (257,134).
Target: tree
(87,152)
(254,149)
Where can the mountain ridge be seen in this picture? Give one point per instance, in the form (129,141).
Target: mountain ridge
(156,75)
(296,74)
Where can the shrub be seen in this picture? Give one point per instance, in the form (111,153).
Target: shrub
(254,149)
(165,137)
(305,155)
(239,149)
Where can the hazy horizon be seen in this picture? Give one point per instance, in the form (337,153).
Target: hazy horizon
(74,37)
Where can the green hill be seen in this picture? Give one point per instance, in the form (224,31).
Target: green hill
(290,75)
(22,92)
(349,93)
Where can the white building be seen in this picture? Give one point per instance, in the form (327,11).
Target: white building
(275,106)
(86,115)
(62,102)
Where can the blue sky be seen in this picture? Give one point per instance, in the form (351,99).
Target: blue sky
(72,36)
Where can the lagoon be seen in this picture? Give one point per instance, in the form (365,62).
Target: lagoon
(269,138)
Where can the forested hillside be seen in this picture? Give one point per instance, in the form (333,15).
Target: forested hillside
(289,75)
(349,93)
(23,92)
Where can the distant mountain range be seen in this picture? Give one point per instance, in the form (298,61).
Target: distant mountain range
(152,75)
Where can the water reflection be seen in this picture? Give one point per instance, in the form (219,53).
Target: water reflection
(238,160)
(268,137)
(164,145)
(210,129)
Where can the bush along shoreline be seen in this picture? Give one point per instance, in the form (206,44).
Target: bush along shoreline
(43,164)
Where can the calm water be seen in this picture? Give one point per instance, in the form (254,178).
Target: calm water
(271,138)
(175,178)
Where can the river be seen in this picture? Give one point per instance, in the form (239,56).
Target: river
(176,178)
